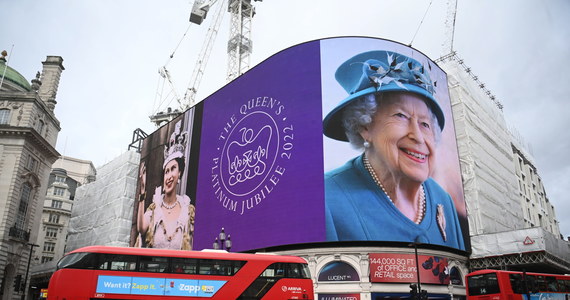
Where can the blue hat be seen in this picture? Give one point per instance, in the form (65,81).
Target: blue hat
(378,72)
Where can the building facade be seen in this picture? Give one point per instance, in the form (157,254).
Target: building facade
(55,216)
(82,171)
(67,175)
(28,135)
(513,225)
(537,209)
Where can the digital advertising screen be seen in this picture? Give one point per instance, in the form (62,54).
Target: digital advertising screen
(341,139)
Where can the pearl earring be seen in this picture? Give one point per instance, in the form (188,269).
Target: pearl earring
(366,144)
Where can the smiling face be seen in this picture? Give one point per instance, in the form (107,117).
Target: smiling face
(401,137)
(171,176)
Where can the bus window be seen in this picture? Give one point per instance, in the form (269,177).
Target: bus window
(483,284)
(219,267)
(81,260)
(118,262)
(297,271)
(274,270)
(305,273)
(532,283)
(517,283)
(551,284)
(153,264)
(287,270)
(184,265)
(565,284)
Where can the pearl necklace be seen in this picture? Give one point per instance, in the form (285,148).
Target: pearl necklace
(169,206)
(421,210)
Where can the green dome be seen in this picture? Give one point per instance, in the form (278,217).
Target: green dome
(14,77)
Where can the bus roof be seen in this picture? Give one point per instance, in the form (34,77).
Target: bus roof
(487,271)
(188,254)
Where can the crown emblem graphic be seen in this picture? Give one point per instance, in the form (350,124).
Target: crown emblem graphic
(176,145)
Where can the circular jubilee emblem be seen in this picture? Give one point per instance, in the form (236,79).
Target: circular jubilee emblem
(253,146)
(249,153)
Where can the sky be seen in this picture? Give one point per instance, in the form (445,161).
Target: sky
(112,52)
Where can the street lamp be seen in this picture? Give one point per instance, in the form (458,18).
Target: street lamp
(28,270)
(416,291)
(222,242)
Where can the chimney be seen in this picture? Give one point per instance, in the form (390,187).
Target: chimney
(51,73)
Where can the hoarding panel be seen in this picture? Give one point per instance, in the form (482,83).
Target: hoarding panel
(396,267)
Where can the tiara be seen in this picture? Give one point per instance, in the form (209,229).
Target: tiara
(176,145)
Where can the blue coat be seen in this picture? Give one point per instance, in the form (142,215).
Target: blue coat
(357,209)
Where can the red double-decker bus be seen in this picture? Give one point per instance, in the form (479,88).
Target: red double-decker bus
(100,272)
(497,284)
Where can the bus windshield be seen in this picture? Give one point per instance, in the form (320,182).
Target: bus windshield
(483,284)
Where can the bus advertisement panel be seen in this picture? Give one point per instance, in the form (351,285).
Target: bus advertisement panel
(340,139)
(157,286)
(100,272)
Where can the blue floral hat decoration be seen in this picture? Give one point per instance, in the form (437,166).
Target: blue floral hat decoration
(378,72)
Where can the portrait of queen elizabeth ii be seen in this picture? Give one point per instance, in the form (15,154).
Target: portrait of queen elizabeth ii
(387,193)
(168,221)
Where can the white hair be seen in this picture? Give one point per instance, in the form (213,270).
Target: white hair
(359,114)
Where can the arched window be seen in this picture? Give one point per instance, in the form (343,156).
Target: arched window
(23,208)
(338,271)
(455,276)
(4,116)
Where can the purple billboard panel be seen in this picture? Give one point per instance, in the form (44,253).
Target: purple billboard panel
(260,170)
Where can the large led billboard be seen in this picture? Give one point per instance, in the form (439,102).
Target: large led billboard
(340,139)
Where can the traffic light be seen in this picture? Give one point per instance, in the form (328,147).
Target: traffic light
(423,295)
(17,283)
(413,291)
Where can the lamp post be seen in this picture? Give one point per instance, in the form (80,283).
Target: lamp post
(28,269)
(222,242)
(416,289)
(417,266)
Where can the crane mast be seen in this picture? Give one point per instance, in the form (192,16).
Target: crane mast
(238,49)
(239,44)
(190,95)
(447,46)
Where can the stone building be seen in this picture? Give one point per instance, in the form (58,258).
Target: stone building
(28,135)
(67,175)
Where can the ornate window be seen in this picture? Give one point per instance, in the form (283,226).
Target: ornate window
(58,191)
(40,126)
(49,247)
(53,218)
(46,259)
(51,232)
(32,164)
(4,116)
(23,208)
(56,203)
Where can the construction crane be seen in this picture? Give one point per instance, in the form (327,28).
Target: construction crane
(447,46)
(239,44)
(238,49)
